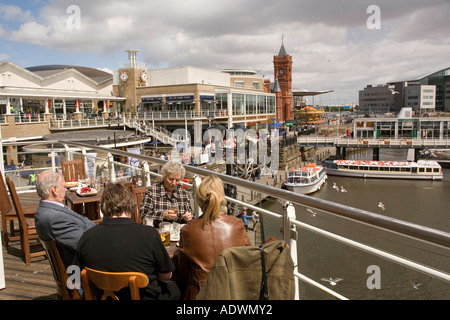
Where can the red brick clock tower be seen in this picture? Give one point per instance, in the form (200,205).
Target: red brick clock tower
(283,73)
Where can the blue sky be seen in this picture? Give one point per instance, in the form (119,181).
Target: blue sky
(332,46)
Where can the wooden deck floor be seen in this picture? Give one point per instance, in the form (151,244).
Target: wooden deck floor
(22,282)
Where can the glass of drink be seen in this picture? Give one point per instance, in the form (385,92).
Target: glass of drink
(175,231)
(148,221)
(164,232)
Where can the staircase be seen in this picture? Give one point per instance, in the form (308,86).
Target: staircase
(158,133)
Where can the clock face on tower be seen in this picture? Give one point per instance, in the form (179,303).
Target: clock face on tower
(143,76)
(281,71)
(124,76)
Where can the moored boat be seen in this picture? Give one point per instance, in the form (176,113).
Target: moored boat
(425,170)
(307,179)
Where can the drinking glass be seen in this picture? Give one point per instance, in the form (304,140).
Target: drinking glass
(164,232)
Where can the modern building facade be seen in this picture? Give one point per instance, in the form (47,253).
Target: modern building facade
(424,94)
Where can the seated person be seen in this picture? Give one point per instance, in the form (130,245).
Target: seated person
(203,239)
(162,198)
(118,244)
(55,221)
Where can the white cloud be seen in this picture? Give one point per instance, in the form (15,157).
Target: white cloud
(329,41)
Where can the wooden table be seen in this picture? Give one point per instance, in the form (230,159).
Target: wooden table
(88,206)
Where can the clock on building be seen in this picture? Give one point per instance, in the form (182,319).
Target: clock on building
(144,76)
(281,71)
(124,76)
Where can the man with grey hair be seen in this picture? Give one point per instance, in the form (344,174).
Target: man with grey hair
(55,221)
(166,200)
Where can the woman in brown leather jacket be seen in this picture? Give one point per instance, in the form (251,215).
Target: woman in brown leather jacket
(203,239)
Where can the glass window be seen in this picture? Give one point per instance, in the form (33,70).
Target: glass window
(238,104)
(250,104)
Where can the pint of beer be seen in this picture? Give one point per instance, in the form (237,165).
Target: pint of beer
(164,232)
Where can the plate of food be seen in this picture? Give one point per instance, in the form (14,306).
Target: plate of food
(72,184)
(86,192)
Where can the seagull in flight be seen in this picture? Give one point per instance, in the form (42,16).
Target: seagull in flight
(381,205)
(332,281)
(416,285)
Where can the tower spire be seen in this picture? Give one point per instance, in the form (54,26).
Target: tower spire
(282,52)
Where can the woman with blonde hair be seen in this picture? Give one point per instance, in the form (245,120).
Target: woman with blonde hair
(203,239)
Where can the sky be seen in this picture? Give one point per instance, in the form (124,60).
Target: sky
(339,45)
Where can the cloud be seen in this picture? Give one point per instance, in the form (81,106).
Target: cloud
(332,47)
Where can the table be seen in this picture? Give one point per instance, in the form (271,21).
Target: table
(88,206)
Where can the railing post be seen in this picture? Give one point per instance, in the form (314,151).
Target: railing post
(84,159)
(68,154)
(290,237)
(145,174)
(112,172)
(197,181)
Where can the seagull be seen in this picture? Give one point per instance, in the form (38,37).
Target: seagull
(311,212)
(332,281)
(335,186)
(416,286)
(381,205)
(342,189)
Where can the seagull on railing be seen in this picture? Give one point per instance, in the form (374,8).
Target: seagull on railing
(332,281)
(381,205)
(313,214)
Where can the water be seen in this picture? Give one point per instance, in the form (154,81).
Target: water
(421,202)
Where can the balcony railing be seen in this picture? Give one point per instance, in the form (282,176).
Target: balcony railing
(45,156)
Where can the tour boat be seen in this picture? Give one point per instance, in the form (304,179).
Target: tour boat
(307,179)
(422,169)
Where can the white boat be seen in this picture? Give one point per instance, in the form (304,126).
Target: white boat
(307,179)
(422,169)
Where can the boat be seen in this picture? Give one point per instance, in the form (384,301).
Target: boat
(307,179)
(422,169)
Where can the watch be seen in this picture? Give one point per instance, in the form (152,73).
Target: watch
(144,76)
(124,76)
(281,71)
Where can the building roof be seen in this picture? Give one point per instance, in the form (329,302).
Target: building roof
(49,70)
(420,77)
(282,52)
(304,92)
(275,87)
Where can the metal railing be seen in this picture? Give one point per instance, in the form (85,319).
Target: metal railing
(287,220)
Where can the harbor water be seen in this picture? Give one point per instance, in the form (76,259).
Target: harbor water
(425,203)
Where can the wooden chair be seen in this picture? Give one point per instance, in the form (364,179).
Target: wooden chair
(9,214)
(26,227)
(59,270)
(73,169)
(111,282)
(139,193)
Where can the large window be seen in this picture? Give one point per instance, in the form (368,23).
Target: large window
(250,103)
(238,103)
(221,101)
(271,104)
(261,104)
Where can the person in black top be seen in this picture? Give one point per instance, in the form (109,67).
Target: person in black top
(118,244)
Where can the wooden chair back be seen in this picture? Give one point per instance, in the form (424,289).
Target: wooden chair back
(111,282)
(73,169)
(59,270)
(26,226)
(139,193)
(8,214)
